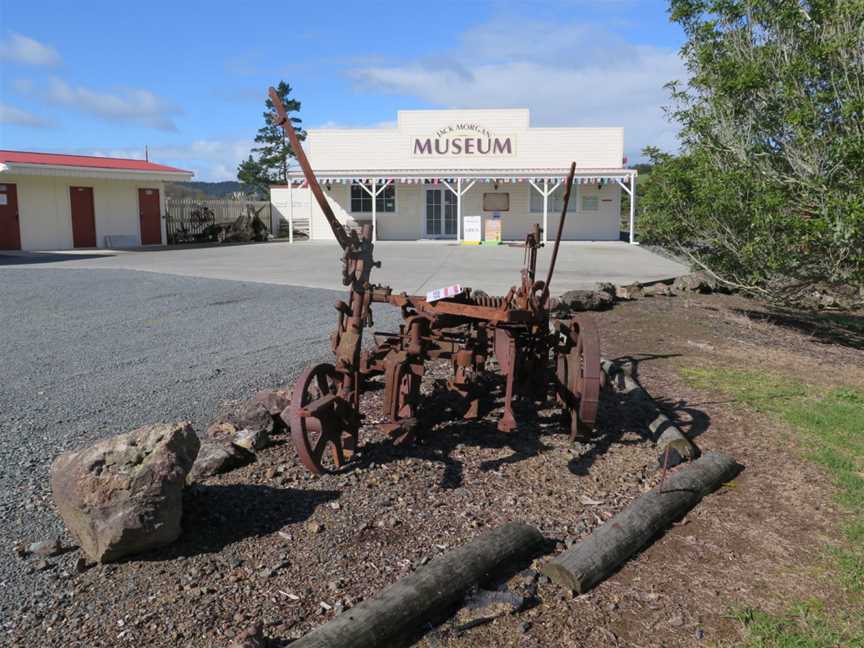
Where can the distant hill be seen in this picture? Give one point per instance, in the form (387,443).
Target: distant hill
(203,190)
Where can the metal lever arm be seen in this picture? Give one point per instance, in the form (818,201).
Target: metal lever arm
(567,188)
(284,121)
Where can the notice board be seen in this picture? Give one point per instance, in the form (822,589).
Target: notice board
(472,227)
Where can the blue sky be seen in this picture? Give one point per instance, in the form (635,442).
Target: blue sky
(189,78)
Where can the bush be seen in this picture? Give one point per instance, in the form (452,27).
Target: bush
(768,190)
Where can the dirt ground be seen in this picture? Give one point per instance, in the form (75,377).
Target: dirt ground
(271,542)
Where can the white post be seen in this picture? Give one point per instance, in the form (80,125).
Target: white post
(545,209)
(576,197)
(291,213)
(458,210)
(374,212)
(632,207)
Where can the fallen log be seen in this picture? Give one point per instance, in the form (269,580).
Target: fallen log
(407,606)
(672,443)
(612,544)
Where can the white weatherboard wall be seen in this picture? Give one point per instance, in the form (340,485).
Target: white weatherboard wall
(393,148)
(434,144)
(45,214)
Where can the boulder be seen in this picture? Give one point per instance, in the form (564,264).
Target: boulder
(632,291)
(658,290)
(124,495)
(275,400)
(695,282)
(606,287)
(255,415)
(217,456)
(222,429)
(585,300)
(251,440)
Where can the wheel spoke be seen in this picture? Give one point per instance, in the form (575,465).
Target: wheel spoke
(323,385)
(338,454)
(318,450)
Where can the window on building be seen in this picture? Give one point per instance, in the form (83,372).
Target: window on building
(590,203)
(556,200)
(361,201)
(496,202)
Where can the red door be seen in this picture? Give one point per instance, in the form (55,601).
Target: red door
(10,232)
(151,223)
(83,217)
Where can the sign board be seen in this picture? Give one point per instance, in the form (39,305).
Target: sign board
(464,139)
(493,228)
(443,293)
(472,229)
(3,199)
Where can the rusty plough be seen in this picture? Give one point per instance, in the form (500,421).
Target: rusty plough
(536,355)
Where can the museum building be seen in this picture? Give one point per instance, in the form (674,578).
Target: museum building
(422,178)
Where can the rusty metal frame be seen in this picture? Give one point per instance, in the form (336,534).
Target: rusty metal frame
(533,355)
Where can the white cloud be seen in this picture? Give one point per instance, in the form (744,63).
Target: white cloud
(567,74)
(18,117)
(127,105)
(212,160)
(22,49)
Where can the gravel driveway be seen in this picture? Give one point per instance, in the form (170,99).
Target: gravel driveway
(89,353)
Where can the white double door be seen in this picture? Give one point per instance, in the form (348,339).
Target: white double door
(440,213)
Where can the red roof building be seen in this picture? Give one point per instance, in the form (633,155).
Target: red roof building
(16,160)
(53,201)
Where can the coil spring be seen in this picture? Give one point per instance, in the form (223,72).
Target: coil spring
(487,301)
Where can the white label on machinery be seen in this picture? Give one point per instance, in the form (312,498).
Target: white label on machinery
(443,293)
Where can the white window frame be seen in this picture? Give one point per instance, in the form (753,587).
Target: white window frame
(380,208)
(445,195)
(556,199)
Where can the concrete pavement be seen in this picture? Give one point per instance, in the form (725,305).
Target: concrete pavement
(413,267)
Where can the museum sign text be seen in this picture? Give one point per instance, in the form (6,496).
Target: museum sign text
(463,139)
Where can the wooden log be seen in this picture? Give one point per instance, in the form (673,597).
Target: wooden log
(672,444)
(612,544)
(401,612)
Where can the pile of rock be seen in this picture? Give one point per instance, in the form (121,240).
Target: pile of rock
(604,295)
(231,441)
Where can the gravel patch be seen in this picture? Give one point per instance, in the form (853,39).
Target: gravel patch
(91,353)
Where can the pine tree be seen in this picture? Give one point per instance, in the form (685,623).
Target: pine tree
(275,152)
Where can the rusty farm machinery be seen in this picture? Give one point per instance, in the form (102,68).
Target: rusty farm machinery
(537,355)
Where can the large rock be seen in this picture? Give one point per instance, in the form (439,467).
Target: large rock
(606,287)
(695,282)
(124,494)
(585,300)
(259,414)
(659,289)
(217,456)
(254,415)
(632,291)
(275,400)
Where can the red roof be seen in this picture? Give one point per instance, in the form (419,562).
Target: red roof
(88,161)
